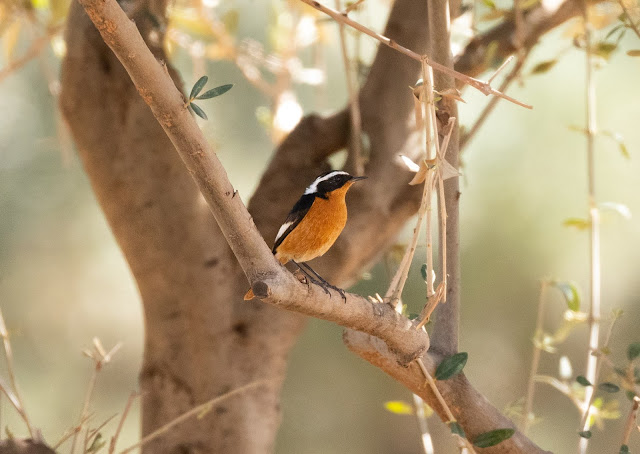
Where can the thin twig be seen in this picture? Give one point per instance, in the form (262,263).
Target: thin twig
(428,105)
(535,360)
(493,102)
(564,388)
(480,85)
(354,103)
(443,403)
(14,393)
(634,27)
(631,420)
(125,413)
(36,47)
(199,409)
(600,356)
(423,425)
(594,230)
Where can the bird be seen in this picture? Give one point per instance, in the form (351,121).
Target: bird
(314,224)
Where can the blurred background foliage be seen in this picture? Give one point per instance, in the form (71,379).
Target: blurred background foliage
(63,279)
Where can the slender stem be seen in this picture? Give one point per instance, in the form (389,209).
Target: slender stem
(114,439)
(354,104)
(633,25)
(594,248)
(198,410)
(480,85)
(425,436)
(493,102)
(429,125)
(535,360)
(85,407)
(631,420)
(17,401)
(443,403)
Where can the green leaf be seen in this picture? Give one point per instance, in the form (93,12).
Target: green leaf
(197,88)
(413,316)
(633,351)
(583,381)
(605,49)
(97,444)
(222,89)
(630,395)
(456,429)
(230,19)
(624,449)
(451,366)
(585,434)
(544,66)
(492,438)
(198,111)
(608,387)
(423,271)
(578,223)
(571,295)
(489,3)
(398,407)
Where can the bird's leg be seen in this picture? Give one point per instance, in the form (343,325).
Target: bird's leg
(323,283)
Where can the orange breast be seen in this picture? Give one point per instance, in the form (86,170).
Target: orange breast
(318,230)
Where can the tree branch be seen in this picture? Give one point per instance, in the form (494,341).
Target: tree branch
(270,279)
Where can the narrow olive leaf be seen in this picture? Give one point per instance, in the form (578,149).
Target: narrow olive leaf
(583,381)
(198,111)
(571,295)
(633,53)
(423,271)
(585,434)
(456,429)
(492,438)
(608,387)
(613,30)
(197,88)
(398,407)
(97,444)
(489,3)
(633,351)
(578,223)
(624,449)
(605,49)
(544,66)
(222,89)
(619,139)
(451,366)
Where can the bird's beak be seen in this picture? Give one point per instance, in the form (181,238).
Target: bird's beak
(359,178)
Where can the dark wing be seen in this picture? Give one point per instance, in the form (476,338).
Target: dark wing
(298,212)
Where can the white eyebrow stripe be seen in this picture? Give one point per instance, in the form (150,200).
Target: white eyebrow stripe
(313,187)
(283,229)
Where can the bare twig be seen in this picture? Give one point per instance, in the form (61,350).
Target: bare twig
(201,409)
(355,149)
(631,420)
(535,360)
(36,47)
(594,229)
(632,24)
(125,413)
(14,393)
(493,102)
(423,425)
(480,85)
(100,358)
(443,403)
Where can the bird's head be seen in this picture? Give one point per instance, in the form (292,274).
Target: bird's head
(332,181)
